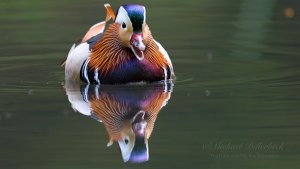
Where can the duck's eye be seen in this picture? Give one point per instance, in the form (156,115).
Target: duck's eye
(123,25)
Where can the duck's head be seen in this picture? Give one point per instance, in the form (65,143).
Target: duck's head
(134,143)
(133,30)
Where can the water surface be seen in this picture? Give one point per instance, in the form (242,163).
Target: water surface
(235,103)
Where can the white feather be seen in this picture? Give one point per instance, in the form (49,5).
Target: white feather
(165,54)
(76,57)
(75,97)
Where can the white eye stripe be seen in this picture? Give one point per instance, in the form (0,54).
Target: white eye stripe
(144,16)
(122,17)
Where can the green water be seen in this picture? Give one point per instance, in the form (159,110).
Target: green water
(235,103)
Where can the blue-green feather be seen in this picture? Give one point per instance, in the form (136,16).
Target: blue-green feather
(136,14)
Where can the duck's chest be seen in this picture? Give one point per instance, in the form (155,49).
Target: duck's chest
(134,71)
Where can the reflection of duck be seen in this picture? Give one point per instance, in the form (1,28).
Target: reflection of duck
(127,112)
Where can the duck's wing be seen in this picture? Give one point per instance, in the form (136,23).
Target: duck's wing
(166,56)
(93,31)
(99,27)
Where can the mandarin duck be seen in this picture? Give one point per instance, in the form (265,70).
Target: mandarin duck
(128,114)
(124,52)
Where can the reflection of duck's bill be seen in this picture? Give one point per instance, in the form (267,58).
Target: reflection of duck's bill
(140,151)
(139,123)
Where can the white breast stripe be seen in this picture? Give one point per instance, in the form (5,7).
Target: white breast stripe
(166,76)
(85,93)
(96,76)
(85,70)
(97,91)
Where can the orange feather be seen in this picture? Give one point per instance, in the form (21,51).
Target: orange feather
(108,53)
(99,27)
(112,111)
